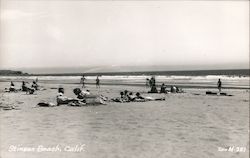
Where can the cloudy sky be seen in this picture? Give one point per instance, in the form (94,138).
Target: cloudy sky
(95,33)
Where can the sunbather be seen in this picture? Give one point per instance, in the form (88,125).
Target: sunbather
(89,98)
(147,98)
(130,97)
(61,99)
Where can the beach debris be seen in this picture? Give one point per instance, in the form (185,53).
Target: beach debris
(211,93)
(218,94)
(20,102)
(77,104)
(53,88)
(46,104)
(196,94)
(9,107)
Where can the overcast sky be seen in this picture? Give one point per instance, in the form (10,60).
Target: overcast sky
(84,33)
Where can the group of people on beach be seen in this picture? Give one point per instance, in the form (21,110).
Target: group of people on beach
(84,97)
(83,79)
(173,89)
(126,96)
(151,83)
(24,87)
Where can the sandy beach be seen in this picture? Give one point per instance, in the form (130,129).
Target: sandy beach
(186,125)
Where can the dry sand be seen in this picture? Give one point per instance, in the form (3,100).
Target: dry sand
(183,126)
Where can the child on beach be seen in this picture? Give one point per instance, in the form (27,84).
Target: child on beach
(83,81)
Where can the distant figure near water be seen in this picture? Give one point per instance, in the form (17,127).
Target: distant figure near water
(219,85)
(83,81)
(97,82)
(151,81)
(147,82)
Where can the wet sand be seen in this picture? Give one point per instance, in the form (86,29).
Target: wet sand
(184,125)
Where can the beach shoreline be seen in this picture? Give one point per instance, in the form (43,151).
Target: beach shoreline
(199,82)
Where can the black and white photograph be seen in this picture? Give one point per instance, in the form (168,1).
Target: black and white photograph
(124,79)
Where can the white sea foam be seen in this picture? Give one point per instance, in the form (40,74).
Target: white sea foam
(139,79)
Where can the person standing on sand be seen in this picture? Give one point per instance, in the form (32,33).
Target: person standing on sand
(11,84)
(152,81)
(97,82)
(147,83)
(219,84)
(83,81)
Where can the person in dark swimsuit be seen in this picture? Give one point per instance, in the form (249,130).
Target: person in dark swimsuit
(97,82)
(219,85)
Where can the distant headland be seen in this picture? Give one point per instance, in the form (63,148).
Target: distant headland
(12,73)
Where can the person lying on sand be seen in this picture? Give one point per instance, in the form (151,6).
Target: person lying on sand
(141,98)
(89,98)
(124,97)
(61,99)
(130,97)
